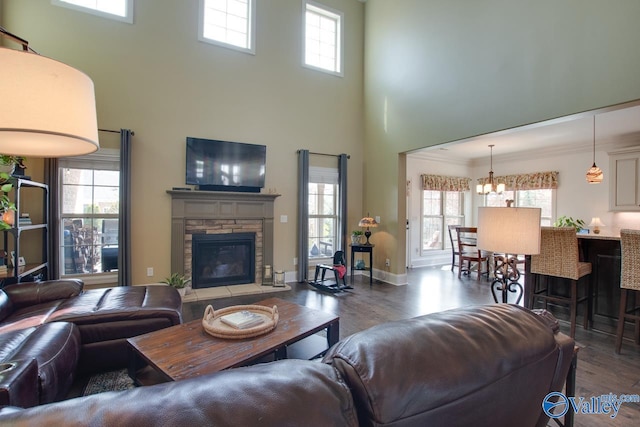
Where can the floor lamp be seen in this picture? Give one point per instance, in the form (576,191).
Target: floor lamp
(48,108)
(512,232)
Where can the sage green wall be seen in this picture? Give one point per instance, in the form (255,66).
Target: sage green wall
(443,70)
(155,78)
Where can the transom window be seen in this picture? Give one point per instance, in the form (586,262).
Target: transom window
(228,23)
(543,199)
(323,38)
(440,209)
(121,10)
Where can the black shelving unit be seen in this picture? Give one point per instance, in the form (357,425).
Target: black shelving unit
(17,273)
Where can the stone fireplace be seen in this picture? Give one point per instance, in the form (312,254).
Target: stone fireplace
(222,259)
(221,227)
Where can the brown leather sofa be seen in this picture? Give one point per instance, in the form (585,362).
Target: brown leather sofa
(68,330)
(478,366)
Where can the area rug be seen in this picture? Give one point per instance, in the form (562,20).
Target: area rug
(108,381)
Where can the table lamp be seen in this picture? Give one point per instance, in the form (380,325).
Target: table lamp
(512,232)
(367,222)
(596,224)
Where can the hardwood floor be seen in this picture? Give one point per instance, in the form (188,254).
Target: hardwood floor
(600,370)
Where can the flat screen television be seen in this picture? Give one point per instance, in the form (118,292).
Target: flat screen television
(215,165)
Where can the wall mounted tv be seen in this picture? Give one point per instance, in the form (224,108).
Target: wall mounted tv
(215,165)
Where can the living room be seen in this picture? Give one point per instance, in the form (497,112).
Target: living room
(416,74)
(155,78)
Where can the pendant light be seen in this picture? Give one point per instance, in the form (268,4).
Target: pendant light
(594,174)
(490,186)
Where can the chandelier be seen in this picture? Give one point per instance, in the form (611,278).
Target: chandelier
(490,186)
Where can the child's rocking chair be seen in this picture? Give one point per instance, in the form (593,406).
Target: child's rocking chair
(339,269)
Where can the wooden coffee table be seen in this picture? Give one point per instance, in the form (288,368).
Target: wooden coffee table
(186,350)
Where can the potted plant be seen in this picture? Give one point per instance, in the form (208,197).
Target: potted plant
(356,237)
(178,281)
(8,164)
(567,221)
(7,207)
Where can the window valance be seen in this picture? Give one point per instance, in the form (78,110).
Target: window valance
(526,181)
(445,183)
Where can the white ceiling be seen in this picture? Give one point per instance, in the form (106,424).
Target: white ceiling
(619,124)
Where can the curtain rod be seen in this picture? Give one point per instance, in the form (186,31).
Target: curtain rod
(112,131)
(325,154)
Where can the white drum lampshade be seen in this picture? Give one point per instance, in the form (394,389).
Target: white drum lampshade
(48,108)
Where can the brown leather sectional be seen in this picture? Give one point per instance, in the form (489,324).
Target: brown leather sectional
(52,330)
(478,366)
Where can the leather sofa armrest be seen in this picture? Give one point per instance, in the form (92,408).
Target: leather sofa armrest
(31,293)
(19,383)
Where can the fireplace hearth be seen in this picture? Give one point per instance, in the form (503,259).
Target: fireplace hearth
(223,259)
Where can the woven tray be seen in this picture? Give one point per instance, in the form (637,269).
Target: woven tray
(214,326)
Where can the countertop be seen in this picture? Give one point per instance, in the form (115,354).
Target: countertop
(601,236)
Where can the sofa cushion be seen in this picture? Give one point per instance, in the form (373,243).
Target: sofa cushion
(452,366)
(56,349)
(284,393)
(100,313)
(106,314)
(34,293)
(6,307)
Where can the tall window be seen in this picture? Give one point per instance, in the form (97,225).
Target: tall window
(323,38)
(89,208)
(121,10)
(543,199)
(323,212)
(440,209)
(228,23)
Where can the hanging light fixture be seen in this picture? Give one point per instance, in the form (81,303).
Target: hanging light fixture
(594,174)
(490,186)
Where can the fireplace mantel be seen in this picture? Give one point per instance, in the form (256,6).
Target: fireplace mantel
(219,205)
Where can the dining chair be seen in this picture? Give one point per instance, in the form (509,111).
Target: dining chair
(454,243)
(560,258)
(469,252)
(629,284)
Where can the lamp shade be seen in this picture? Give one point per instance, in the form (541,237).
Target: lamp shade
(596,222)
(594,175)
(367,222)
(509,230)
(48,108)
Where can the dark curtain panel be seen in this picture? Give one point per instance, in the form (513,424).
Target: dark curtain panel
(303,215)
(124,223)
(342,207)
(53,243)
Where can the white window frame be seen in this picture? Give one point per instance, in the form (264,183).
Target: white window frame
(336,15)
(251,30)
(544,220)
(444,220)
(329,176)
(128,18)
(104,159)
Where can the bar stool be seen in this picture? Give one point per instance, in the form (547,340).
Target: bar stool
(559,257)
(629,283)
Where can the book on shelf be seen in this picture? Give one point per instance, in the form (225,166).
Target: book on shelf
(242,319)
(24,219)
